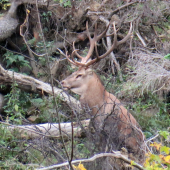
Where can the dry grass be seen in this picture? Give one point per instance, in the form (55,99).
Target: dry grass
(151,72)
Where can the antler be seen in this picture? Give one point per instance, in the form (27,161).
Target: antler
(93,44)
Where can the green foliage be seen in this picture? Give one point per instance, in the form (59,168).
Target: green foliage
(110,83)
(167,56)
(65,3)
(40,46)
(17,104)
(5,4)
(11,150)
(165,134)
(151,113)
(17,60)
(47,112)
(160,159)
(46,15)
(31,43)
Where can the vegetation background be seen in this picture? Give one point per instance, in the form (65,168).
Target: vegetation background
(33,36)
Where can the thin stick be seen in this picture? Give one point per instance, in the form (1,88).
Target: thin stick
(118,9)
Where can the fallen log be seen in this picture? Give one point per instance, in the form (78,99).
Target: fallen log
(29,83)
(47,129)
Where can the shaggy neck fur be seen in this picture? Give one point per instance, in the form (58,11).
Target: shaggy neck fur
(95,96)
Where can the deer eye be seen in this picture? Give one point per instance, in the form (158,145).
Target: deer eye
(78,76)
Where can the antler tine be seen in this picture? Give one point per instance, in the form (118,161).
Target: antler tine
(127,36)
(68,58)
(103,33)
(84,59)
(76,63)
(115,43)
(92,43)
(97,54)
(87,30)
(95,43)
(75,51)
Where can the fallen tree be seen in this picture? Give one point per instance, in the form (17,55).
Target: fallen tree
(31,84)
(53,130)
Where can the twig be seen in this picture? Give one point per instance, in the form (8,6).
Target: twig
(114,155)
(97,13)
(34,68)
(140,38)
(152,138)
(118,9)
(102,4)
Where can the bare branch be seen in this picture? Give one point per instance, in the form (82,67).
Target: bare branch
(32,61)
(114,155)
(120,8)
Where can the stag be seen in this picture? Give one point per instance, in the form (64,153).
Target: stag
(119,128)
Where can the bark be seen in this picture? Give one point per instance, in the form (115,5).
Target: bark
(31,84)
(47,130)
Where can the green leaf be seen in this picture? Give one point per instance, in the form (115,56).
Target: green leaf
(132,162)
(16,107)
(165,134)
(20,57)
(8,63)
(38,102)
(167,56)
(165,149)
(155,158)
(12,59)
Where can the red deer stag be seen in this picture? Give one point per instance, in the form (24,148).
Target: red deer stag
(117,126)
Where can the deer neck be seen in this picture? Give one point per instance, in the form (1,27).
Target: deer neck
(95,94)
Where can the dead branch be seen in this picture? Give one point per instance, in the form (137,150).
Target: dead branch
(102,4)
(112,56)
(32,61)
(141,39)
(114,155)
(29,83)
(152,138)
(47,129)
(119,8)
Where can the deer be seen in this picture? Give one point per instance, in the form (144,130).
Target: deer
(110,116)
